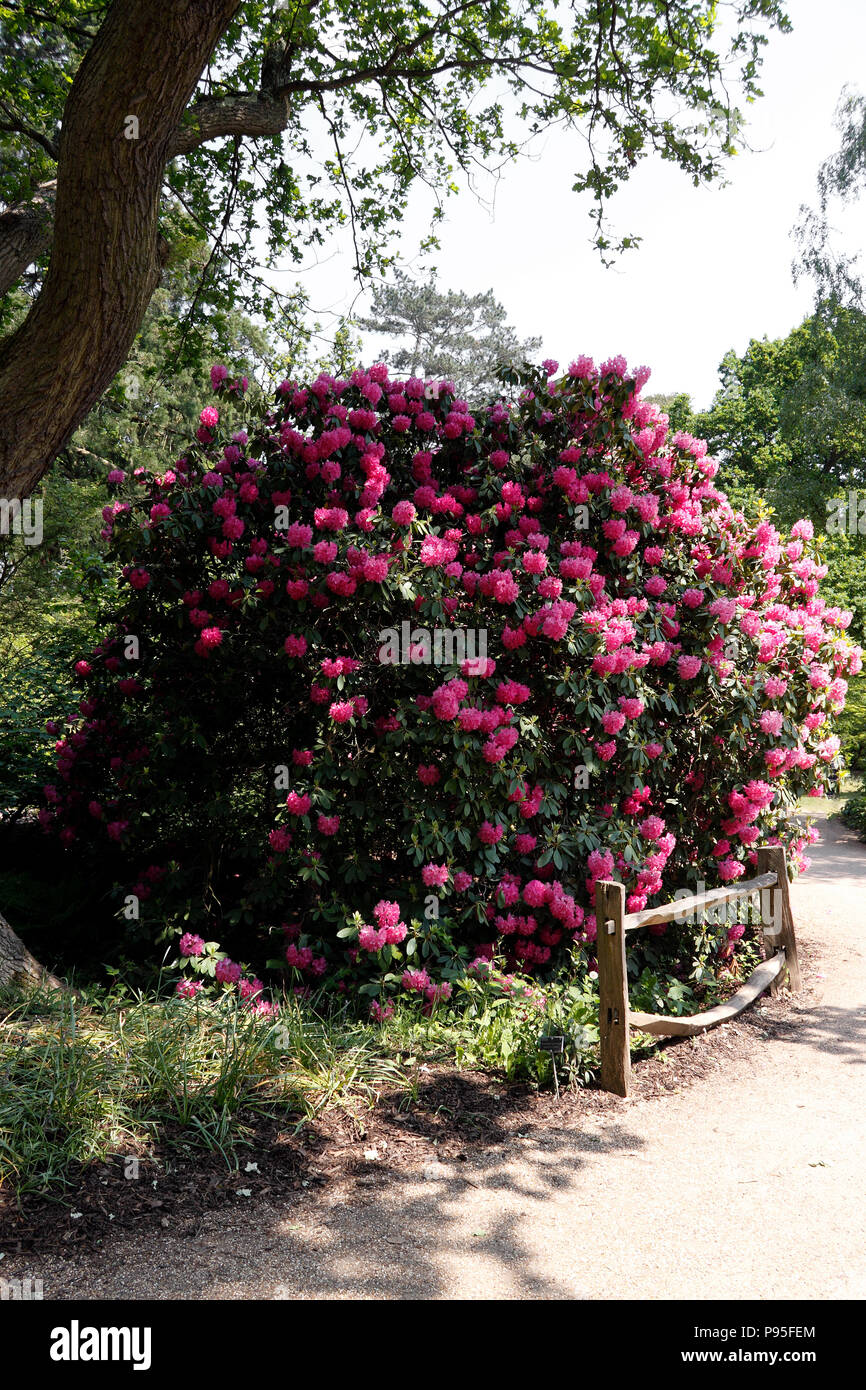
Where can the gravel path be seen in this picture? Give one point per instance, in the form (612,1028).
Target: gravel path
(746,1183)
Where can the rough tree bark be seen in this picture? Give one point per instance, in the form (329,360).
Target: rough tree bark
(106,258)
(17,966)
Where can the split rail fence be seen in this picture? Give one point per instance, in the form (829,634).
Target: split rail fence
(612,922)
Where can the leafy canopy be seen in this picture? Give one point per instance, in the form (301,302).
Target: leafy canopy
(378,95)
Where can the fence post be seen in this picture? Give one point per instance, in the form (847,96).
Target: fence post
(612,988)
(772,860)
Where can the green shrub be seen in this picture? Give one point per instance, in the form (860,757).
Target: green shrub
(854,813)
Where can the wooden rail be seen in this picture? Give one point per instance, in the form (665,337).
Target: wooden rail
(698,902)
(615,1018)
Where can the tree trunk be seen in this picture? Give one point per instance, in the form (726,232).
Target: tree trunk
(106,259)
(17,966)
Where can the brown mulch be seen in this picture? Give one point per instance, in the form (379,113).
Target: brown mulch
(453,1115)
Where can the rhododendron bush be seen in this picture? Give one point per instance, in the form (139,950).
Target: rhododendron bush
(258,764)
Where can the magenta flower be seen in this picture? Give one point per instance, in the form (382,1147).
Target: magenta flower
(688,667)
(380,1013)
(771,721)
(490,834)
(341,711)
(435,875)
(415,980)
(371,939)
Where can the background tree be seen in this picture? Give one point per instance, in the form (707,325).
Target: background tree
(788,426)
(678,408)
(128,125)
(841,181)
(452,336)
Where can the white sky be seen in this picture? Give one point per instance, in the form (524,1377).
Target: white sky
(714,267)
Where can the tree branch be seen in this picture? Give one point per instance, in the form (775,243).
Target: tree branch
(16,126)
(26,233)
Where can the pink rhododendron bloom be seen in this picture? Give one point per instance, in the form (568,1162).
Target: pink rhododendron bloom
(758,792)
(191,945)
(341,711)
(376,568)
(435,875)
(652,828)
(415,980)
(299,957)
(631,708)
(387,914)
(512,693)
(371,939)
(380,1013)
(210,638)
(730,869)
(771,721)
(490,834)
(536,893)
(688,667)
(299,535)
(330,518)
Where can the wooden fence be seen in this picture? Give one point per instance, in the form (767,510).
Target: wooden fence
(612,921)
